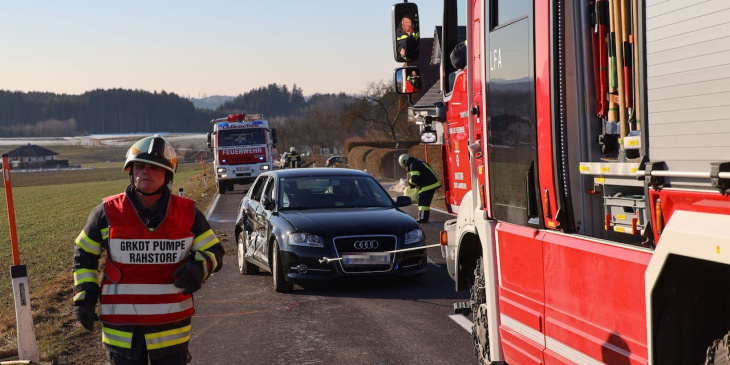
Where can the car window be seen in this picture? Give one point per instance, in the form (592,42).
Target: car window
(332,192)
(268,191)
(257,188)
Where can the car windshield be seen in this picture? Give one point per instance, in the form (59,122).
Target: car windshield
(241,137)
(332,192)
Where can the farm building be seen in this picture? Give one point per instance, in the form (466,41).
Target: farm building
(32,156)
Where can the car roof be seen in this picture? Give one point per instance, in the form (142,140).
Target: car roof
(315,172)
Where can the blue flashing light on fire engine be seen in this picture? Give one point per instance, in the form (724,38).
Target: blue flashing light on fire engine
(223,125)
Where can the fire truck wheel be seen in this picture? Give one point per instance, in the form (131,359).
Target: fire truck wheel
(280,283)
(719,352)
(230,187)
(479,330)
(221,188)
(244,267)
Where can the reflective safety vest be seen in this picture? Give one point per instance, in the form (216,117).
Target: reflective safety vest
(137,288)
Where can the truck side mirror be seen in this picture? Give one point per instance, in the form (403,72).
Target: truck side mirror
(273,136)
(407,80)
(406,33)
(209,146)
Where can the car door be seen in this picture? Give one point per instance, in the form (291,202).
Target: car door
(254,205)
(263,215)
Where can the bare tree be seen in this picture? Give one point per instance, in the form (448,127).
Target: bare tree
(382,111)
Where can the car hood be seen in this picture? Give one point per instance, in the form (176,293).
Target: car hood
(350,221)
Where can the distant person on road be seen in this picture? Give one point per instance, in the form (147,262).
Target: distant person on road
(160,250)
(293,161)
(407,39)
(424,179)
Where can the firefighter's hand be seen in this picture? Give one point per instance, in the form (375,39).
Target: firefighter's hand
(85,313)
(189,276)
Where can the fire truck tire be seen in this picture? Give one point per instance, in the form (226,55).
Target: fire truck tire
(229,187)
(277,271)
(479,330)
(221,188)
(719,352)
(244,267)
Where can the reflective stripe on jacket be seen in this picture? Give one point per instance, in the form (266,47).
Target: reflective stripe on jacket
(423,176)
(138,286)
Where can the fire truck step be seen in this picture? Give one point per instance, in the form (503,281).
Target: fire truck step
(462,308)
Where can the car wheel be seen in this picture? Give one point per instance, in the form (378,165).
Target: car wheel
(277,271)
(221,188)
(244,267)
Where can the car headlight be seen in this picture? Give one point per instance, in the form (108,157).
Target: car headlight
(305,239)
(414,236)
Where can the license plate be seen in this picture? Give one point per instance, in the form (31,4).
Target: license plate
(243,168)
(371,258)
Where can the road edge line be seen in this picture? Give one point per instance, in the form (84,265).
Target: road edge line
(212,207)
(461,321)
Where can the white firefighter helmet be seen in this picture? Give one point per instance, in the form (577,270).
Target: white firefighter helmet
(154,150)
(403,159)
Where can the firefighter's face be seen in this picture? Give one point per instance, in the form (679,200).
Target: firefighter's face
(147,177)
(405,23)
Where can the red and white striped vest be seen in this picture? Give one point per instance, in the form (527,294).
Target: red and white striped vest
(138,286)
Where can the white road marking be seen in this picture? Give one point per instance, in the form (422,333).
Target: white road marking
(212,207)
(462,321)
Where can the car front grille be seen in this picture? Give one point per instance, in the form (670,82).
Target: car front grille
(367,247)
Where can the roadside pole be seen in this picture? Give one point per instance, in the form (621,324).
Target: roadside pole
(27,346)
(205,177)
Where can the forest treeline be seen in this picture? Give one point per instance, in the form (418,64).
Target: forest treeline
(319,121)
(36,114)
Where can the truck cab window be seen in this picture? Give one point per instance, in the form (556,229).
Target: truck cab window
(453,33)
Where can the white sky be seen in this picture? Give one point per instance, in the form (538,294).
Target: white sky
(197,48)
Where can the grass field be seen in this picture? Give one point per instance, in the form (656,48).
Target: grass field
(51,208)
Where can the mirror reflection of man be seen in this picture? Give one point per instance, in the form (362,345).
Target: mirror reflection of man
(407,39)
(414,82)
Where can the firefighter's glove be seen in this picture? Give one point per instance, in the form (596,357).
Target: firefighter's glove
(189,276)
(85,313)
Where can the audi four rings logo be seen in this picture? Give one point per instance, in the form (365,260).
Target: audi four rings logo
(366,245)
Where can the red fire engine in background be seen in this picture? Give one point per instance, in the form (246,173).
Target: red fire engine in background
(586,152)
(243,147)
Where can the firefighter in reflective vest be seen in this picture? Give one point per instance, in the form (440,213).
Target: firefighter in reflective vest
(160,250)
(293,160)
(423,178)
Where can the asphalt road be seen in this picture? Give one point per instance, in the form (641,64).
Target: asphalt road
(242,320)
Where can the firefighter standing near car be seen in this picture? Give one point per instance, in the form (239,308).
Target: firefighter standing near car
(160,250)
(293,161)
(424,179)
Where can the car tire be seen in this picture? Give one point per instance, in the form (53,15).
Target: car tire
(277,271)
(244,267)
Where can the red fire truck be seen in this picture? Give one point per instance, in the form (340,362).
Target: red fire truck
(243,147)
(598,141)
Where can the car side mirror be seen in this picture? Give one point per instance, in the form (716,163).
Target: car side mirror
(406,33)
(403,201)
(407,80)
